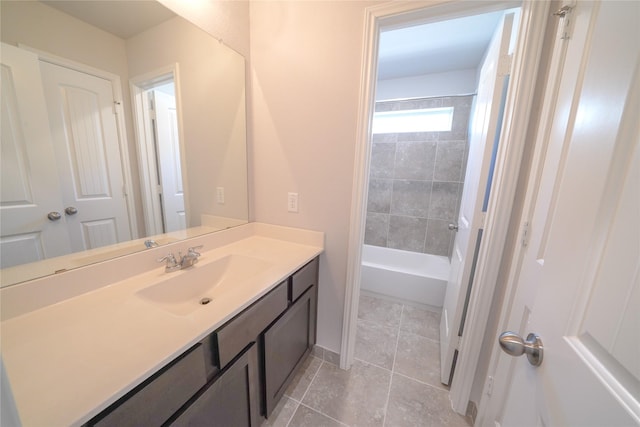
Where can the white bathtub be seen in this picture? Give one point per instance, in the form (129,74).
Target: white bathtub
(405,275)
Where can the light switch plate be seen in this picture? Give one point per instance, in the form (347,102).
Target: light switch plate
(292,202)
(220,195)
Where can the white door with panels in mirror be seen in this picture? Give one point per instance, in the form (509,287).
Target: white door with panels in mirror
(484,130)
(577,281)
(31,208)
(156,110)
(85,136)
(171,191)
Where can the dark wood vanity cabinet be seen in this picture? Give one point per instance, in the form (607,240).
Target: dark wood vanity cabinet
(290,339)
(238,373)
(232,399)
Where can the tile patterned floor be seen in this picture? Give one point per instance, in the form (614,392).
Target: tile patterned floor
(394,381)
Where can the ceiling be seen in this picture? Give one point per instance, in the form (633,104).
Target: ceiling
(437,47)
(121,18)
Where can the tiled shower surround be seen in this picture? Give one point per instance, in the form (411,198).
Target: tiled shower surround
(415,181)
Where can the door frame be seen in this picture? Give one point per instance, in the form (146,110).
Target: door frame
(138,86)
(515,126)
(118,109)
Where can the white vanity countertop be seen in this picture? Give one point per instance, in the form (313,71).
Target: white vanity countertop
(68,361)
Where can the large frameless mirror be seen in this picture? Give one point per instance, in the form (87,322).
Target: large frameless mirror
(123,128)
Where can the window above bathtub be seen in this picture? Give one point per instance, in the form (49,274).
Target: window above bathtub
(422,120)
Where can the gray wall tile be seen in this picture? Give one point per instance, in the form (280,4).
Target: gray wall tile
(448,162)
(379,199)
(410,198)
(438,237)
(407,233)
(376,229)
(385,138)
(444,201)
(403,168)
(383,156)
(414,160)
(417,136)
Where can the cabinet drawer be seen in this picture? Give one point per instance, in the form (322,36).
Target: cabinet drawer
(244,328)
(163,394)
(303,279)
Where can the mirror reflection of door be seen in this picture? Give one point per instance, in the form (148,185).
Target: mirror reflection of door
(156,107)
(85,139)
(167,143)
(30,186)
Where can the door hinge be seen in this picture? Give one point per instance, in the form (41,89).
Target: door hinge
(566,21)
(115,106)
(459,343)
(525,234)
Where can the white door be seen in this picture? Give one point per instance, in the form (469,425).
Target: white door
(578,286)
(30,188)
(166,122)
(85,137)
(485,126)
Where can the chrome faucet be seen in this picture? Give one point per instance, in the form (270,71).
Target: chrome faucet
(185,261)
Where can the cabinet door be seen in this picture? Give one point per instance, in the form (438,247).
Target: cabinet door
(232,399)
(286,343)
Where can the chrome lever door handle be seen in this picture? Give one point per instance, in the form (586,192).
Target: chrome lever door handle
(453,227)
(513,344)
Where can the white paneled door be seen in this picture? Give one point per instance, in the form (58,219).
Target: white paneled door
(30,188)
(578,286)
(168,141)
(484,130)
(87,151)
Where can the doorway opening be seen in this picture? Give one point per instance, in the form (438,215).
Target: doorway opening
(156,113)
(484,120)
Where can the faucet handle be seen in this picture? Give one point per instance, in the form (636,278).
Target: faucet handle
(172,264)
(193,250)
(168,257)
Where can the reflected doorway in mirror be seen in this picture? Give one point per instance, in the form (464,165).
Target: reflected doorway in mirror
(156,111)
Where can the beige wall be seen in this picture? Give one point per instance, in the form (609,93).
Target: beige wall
(305,65)
(225,20)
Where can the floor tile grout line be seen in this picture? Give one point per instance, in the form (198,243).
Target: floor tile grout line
(422,382)
(373,364)
(393,366)
(323,414)
(437,341)
(322,362)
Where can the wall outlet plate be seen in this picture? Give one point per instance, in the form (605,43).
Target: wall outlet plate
(292,202)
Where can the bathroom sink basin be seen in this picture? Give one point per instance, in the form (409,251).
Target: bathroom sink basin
(184,291)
